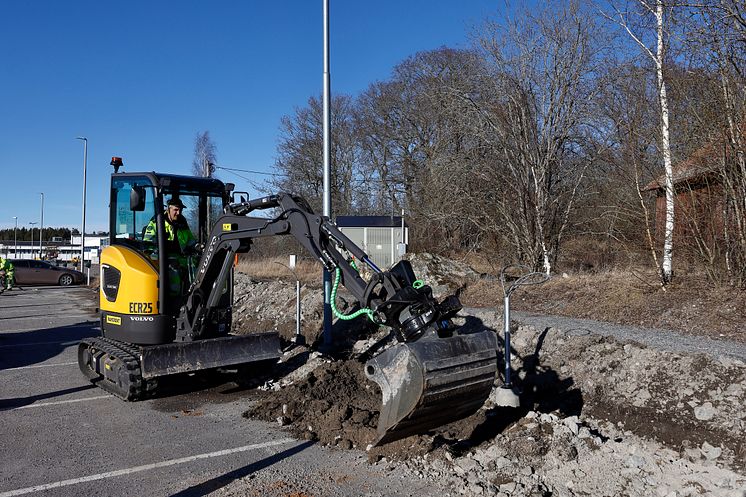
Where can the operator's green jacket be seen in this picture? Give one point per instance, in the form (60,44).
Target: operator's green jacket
(178,235)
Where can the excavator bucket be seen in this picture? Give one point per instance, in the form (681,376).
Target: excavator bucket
(432,381)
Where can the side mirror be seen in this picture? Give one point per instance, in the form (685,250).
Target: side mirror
(137,198)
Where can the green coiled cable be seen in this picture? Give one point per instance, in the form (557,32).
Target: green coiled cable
(346,317)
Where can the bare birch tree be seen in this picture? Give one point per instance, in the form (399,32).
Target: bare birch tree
(657,55)
(205,155)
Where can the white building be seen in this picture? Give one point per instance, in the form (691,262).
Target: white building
(381,237)
(56,249)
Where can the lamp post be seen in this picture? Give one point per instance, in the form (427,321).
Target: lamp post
(327,199)
(82,230)
(41,226)
(15,239)
(32,237)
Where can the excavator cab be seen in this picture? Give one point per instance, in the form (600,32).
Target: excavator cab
(139,304)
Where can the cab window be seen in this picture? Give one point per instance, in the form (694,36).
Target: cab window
(128,226)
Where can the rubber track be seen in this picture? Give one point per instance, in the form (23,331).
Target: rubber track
(137,388)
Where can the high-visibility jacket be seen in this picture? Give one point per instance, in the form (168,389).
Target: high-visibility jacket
(6,265)
(178,235)
(10,270)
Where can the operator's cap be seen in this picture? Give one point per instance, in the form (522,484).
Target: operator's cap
(176,201)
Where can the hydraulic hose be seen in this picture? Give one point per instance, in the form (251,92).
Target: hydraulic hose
(364,310)
(333,298)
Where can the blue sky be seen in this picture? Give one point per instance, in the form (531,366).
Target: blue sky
(141,79)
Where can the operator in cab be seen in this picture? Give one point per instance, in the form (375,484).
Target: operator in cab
(180,244)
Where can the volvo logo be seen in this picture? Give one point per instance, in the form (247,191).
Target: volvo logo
(142,318)
(210,250)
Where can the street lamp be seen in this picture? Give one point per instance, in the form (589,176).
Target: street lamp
(82,231)
(15,239)
(41,226)
(32,238)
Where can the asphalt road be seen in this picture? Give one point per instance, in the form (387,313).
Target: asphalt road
(63,437)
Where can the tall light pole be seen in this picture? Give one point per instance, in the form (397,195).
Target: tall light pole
(327,203)
(41,226)
(32,237)
(82,230)
(15,239)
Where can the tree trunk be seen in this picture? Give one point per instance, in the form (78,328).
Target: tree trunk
(667,265)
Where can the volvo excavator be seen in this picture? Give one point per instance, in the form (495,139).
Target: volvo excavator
(430,373)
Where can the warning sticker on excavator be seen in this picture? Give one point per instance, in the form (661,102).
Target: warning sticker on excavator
(114,320)
(227,227)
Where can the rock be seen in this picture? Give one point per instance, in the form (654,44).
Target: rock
(508,488)
(641,397)
(711,452)
(572,423)
(705,412)
(467,464)
(548,418)
(635,461)
(526,471)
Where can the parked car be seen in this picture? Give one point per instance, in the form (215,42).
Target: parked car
(31,272)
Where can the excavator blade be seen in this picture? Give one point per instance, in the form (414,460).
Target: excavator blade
(432,382)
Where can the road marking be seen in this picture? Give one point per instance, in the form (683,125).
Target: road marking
(50,317)
(146,467)
(45,404)
(73,342)
(39,366)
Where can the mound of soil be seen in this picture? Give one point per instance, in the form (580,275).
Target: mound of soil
(338,406)
(334,404)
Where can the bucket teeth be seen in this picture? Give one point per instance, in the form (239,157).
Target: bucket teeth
(432,382)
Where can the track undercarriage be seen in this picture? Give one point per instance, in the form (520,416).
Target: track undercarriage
(131,371)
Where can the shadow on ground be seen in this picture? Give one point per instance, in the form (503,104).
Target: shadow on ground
(19,349)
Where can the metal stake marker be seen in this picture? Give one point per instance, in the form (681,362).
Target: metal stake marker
(298,339)
(506,395)
(506,324)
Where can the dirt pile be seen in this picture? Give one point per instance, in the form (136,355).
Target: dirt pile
(333,403)
(600,417)
(270,306)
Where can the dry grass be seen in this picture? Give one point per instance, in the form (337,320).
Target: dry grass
(308,271)
(690,304)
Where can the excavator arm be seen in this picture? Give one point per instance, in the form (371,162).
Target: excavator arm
(431,376)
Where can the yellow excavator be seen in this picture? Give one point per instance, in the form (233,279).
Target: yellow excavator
(430,373)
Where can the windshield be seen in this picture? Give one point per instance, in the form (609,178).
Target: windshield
(128,226)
